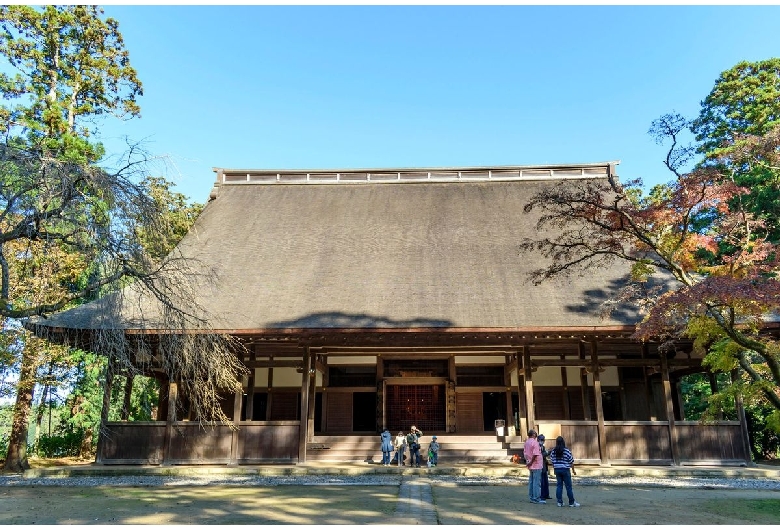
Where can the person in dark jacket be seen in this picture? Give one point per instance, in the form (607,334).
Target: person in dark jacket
(413,441)
(545,469)
(387,446)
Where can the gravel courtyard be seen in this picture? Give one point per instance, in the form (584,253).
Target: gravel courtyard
(374,499)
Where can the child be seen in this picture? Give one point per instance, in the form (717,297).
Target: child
(433,452)
(400,446)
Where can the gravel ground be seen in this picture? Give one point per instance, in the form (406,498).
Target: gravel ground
(382,480)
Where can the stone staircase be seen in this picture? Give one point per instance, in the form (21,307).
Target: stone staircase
(455,448)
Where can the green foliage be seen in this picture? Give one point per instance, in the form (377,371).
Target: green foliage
(68,443)
(745,99)
(641,271)
(177,216)
(144,399)
(68,65)
(743,104)
(85,401)
(700,404)
(764,428)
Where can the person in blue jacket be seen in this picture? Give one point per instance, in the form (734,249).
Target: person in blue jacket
(387,446)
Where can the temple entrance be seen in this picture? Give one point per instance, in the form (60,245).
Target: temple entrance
(420,405)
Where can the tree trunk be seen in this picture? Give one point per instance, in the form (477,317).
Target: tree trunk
(128,394)
(16,459)
(42,404)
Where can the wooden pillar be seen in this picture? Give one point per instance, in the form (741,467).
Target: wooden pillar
(529,390)
(669,408)
(649,397)
(312,398)
(451,406)
(586,412)
(162,400)
(602,429)
(249,413)
(714,390)
(678,399)
(236,421)
(104,410)
(325,382)
(509,416)
(565,385)
(623,404)
(381,390)
(740,406)
(128,392)
(269,400)
(304,424)
(521,407)
(173,395)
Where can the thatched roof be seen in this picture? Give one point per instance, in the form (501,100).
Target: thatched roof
(328,249)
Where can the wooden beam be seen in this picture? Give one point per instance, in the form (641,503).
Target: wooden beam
(602,430)
(586,412)
(303,427)
(685,363)
(669,410)
(236,421)
(529,390)
(173,395)
(274,364)
(312,398)
(102,434)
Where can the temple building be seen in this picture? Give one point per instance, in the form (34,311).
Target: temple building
(392,297)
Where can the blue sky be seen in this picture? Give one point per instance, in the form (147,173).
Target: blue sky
(302,87)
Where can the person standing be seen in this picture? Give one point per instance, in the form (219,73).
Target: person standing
(563,465)
(413,441)
(533,461)
(545,484)
(400,446)
(387,446)
(433,452)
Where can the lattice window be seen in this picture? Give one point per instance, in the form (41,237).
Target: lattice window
(421,405)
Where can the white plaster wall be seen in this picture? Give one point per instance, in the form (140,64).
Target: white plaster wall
(287,377)
(261,377)
(547,376)
(609,377)
(477,359)
(350,360)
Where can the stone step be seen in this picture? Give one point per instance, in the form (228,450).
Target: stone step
(454,448)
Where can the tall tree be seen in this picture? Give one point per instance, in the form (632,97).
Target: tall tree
(71,227)
(743,105)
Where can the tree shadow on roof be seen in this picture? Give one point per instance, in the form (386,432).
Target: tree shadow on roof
(606,302)
(339,320)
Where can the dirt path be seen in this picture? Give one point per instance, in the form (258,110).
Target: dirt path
(445,503)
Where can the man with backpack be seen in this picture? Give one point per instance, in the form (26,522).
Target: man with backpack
(413,441)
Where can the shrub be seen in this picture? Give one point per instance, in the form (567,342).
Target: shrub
(64,444)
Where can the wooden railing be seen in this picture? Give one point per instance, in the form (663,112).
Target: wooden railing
(192,443)
(627,443)
(650,442)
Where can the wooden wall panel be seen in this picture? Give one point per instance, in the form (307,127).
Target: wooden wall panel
(469,412)
(285,406)
(339,413)
(548,404)
(718,443)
